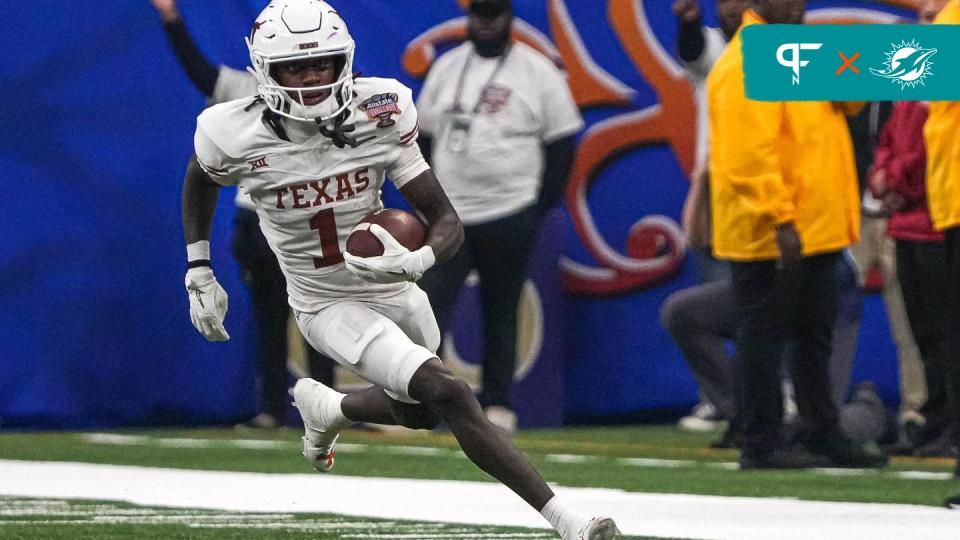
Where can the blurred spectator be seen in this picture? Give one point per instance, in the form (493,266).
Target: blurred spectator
(498,123)
(258,265)
(877,249)
(942,137)
(699,47)
(702,319)
(898,179)
(784,207)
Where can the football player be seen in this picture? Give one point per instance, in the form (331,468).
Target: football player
(313,150)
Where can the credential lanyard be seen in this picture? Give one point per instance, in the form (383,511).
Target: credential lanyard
(457,107)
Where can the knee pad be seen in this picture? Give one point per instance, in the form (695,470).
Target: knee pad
(405,362)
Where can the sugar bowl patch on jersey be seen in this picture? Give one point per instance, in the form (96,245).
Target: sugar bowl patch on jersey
(387,104)
(381,107)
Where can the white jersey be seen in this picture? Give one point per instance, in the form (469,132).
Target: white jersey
(488,151)
(234,84)
(308,193)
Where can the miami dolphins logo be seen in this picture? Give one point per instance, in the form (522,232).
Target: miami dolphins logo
(907,64)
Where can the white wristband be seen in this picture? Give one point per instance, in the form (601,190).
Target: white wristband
(427,257)
(198,251)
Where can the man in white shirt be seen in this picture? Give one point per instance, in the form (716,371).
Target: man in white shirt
(499,125)
(313,151)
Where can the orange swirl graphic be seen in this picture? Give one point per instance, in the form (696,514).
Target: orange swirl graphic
(655,246)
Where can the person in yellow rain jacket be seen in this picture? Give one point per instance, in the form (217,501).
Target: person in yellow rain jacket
(784,204)
(942,136)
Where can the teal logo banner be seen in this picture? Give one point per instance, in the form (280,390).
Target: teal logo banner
(870,62)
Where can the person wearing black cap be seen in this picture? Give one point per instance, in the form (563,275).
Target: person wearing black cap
(498,122)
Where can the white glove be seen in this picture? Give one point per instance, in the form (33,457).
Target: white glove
(208,303)
(395,265)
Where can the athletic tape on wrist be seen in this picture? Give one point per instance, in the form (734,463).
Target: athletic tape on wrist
(198,254)
(427,257)
(198,250)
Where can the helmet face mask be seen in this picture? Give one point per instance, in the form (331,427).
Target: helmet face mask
(295,30)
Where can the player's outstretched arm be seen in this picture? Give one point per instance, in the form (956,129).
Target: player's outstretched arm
(208,300)
(427,197)
(202,72)
(198,202)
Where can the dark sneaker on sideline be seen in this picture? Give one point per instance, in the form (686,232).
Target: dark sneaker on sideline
(731,438)
(792,457)
(941,446)
(846,454)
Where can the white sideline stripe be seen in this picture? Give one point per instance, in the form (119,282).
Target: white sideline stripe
(725,465)
(418,451)
(260,444)
(165,442)
(257,444)
(831,471)
(484,503)
(652,462)
(923,475)
(572,458)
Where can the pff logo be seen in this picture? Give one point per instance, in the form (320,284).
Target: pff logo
(907,64)
(794,62)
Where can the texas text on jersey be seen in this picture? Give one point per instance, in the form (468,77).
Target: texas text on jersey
(310,190)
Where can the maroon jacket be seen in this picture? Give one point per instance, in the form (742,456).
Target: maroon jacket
(902,155)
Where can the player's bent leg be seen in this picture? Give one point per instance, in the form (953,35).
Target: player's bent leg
(486,446)
(491,449)
(370,405)
(414,416)
(368,342)
(373,405)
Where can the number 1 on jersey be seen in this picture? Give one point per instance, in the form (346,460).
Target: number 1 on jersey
(325,223)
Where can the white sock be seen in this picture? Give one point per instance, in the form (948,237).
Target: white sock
(332,412)
(563,518)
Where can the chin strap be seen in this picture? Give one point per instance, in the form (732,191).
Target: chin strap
(340,134)
(271,118)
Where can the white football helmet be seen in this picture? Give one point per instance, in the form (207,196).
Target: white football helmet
(290,30)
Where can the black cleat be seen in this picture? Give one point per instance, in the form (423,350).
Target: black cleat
(846,454)
(792,457)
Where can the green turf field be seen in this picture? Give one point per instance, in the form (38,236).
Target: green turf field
(647,459)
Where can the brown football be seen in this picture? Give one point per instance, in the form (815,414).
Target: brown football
(404,226)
